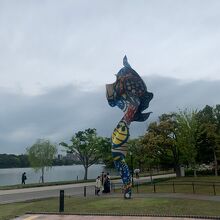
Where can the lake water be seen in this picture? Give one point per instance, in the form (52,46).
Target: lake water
(12,176)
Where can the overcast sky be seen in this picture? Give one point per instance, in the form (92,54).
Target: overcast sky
(57,56)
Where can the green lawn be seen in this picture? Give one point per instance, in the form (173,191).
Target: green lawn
(187,188)
(199,178)
(115,205)
(202,185)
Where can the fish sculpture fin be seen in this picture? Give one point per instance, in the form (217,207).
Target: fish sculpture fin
(141,116)
(125,62)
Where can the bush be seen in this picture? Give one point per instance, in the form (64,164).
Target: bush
(200,172)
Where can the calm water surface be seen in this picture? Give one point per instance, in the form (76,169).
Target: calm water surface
(12,176)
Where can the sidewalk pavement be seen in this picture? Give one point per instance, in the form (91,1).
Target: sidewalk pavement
(76,185)
(27,194)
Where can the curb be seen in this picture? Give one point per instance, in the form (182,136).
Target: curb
(127,214)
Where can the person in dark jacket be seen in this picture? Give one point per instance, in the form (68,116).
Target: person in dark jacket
(23,178)
(106,184)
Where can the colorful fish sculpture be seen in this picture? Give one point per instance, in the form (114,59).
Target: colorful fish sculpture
(130,94)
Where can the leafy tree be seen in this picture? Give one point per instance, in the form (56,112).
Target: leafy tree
(11,161)
(209,133)
(87,146)
(187,130)
(105,151)
(137,150)
(217,118)
(24,162)
(41,155)
(165,132)
(151,151)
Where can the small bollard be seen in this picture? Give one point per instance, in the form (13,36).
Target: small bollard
(61,201)
(173,187)
(84,191)
(193,186)
(214,189)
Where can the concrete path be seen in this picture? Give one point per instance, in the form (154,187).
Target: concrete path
(93,217)
(26,194)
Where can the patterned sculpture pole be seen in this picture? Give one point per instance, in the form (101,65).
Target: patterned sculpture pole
(130,94)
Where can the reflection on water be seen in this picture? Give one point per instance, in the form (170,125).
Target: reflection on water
(12,176)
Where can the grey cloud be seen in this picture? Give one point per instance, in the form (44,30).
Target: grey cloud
(53,41)
(59,112)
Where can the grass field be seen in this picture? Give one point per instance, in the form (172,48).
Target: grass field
(209,185)
(115,205)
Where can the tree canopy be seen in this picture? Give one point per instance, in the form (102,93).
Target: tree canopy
(87,146)
(41,155)
(187,137)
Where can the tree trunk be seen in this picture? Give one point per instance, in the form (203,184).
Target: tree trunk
(215,163)
(177,170)
(86,172)
(194,172)
(151,178)
(175,152)
(151,174)
(194,169)
(140,165)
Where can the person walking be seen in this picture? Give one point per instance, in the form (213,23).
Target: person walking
(109,181)
(137,171)
(108,175)
(23,178)
(98,185)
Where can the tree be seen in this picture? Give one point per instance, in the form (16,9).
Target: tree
(87,147)
(151,151)
(23,158)
(209,120)
(105,151)
(187,130)
(137,150)
(165,132)
(41,155)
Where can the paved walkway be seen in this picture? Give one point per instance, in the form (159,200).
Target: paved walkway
(93,217)
(19,195)
(66,186)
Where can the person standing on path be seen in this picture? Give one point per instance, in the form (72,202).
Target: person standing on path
(98,185)
(106,184)
(102,178)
